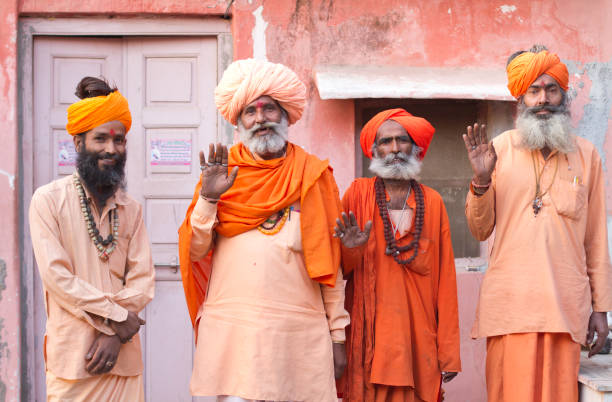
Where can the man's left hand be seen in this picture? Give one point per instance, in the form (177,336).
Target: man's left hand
(597,323)
(339,359)
(102,354)
(349,232)
(447,376)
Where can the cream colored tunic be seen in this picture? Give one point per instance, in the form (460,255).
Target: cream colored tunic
(79,288)
(265,330)
(546,272)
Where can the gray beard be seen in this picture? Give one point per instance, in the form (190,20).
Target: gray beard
(269,144)
(408,168)
(553,131)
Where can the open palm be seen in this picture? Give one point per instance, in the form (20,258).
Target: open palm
(481,153)
(215,179)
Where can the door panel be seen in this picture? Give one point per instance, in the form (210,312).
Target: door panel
(169,83)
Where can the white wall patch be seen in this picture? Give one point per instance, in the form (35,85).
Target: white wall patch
(259,35)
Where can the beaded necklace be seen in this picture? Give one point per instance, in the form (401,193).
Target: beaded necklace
(392,248)
(537,198)
(106,246)
(277,221)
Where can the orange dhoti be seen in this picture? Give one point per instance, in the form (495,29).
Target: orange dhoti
(532,367)
(106,387)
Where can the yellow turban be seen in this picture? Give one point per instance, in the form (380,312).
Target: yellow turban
(525,68)
(90,113)
(246,80)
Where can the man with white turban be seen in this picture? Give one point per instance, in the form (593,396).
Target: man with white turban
(259,259)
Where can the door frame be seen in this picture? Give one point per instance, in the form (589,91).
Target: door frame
(29,29)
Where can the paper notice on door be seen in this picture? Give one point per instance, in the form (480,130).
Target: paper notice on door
(66,153)
(170,152)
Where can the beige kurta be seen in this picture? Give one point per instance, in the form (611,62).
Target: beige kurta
(545,272)
(77,284)
(265,330)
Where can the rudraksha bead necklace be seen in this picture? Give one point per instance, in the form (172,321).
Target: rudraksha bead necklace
(392,248)
(106,246)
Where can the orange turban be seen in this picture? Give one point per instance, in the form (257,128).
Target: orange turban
(246,80)
(525,68)
(419,129)
(89,113)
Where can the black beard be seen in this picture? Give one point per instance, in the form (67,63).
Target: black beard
(101,183)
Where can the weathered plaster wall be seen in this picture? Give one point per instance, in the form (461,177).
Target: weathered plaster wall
(307,33)
(9,232)
(442,33)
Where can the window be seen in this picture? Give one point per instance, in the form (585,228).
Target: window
(446,167)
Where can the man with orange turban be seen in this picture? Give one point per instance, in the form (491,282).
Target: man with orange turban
(94,259)
(401,290)
(548,284)
(259,259)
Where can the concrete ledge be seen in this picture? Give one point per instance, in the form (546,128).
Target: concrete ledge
(596,373)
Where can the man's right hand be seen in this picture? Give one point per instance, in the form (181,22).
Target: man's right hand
(215,180)
(125,330)
(481,153)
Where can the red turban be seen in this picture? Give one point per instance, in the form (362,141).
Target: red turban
(246,80)
(525,68)
(419,129)
(90,113)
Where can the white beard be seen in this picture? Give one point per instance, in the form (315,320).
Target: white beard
(268,144)
(554,131)
(408,168)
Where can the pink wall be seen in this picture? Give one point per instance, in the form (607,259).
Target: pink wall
(9,234)
(307,33)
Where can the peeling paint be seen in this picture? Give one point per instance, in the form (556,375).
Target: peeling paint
(596,113)
(4,350)
(11,178)
(259,35)
(507,9)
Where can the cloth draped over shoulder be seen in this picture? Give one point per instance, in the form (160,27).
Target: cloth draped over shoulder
(246,80)
(525,68)
(262,188)
(90,113)
(419,129)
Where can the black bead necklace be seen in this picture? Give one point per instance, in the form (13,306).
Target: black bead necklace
(106,246)
(392,248)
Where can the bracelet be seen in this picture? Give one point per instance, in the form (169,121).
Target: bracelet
(211,200)
(339,342)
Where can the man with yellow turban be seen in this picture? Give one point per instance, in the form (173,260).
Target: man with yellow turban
(259,259)
(401,290)
(548,284)
(94,259)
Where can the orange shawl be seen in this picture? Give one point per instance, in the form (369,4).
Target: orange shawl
(262,188)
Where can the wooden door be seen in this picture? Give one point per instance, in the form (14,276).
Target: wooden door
(169,84)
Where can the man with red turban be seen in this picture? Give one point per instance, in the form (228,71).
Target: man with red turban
(401,291)
(94,259)
(269,313)
(548,284)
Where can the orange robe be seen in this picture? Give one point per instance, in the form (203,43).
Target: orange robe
(404,322)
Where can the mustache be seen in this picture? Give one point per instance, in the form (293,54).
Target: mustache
(259,126)
(549,108)
(116,157)
(388,159)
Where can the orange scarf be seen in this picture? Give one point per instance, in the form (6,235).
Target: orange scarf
(262,188)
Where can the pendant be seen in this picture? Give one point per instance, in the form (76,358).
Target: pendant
(536,205)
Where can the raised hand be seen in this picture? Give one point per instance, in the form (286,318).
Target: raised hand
(349,232)
(215,180)
(481,153)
